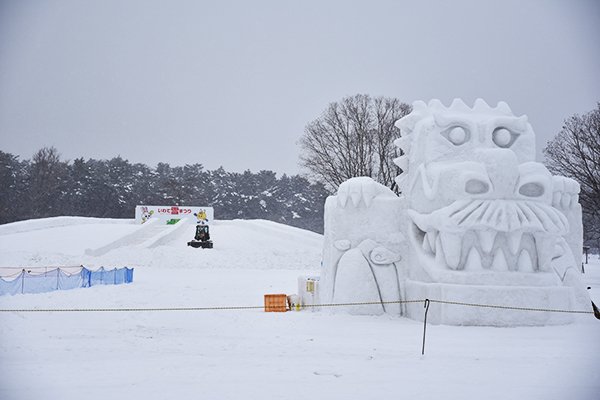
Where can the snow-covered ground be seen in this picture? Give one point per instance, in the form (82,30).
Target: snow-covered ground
(247,354)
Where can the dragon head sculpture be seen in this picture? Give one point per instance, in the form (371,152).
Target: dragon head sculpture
(475,196)
(478,221)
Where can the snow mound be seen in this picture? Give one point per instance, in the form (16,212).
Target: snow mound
(55,222)
(256,244)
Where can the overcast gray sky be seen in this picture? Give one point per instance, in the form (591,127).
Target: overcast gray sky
(233,83)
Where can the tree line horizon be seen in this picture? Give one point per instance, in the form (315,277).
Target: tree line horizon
(46,186)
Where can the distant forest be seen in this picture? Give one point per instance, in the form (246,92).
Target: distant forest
(46,186)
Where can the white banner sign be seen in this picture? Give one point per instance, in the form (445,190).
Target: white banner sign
(170,214)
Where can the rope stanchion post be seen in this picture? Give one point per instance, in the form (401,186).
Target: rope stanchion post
(426,306)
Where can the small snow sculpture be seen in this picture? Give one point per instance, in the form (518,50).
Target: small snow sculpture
(363,241)
(478,221)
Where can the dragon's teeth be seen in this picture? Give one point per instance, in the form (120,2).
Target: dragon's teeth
(574,200)
(565,201)
(439,252)
(451,243)
(544,246)
(527,252)
(524,262)
(556,197)
(426,244)
(342,198)
(355,196)
(499,263)
(486,238)
(558,250)
(420,221)
(473,262)
(432,238)
(514,241)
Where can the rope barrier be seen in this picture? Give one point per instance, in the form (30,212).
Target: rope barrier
(510,307)
(154,309)
(11,276)
(36,271)
(143,309)
(131,309)
(365,303)
(426,302)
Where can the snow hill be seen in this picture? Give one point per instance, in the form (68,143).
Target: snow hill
(256,244)
(245,354)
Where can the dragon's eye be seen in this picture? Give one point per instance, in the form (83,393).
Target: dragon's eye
(457,135)
(503,137)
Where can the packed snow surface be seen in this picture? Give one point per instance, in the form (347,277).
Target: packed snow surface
(245,354)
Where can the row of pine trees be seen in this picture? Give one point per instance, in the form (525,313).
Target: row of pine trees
(46,186)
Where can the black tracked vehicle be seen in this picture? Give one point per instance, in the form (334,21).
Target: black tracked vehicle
(202,238)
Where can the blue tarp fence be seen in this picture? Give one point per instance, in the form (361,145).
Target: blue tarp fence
(28,281)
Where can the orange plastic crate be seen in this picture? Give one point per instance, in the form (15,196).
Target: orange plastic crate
(275,302)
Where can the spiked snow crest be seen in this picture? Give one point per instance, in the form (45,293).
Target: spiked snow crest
(435,107)
(438,110)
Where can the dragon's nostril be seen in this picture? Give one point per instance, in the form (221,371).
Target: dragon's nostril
(532,189)
(476,186)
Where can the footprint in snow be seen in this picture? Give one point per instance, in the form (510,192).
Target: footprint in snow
(320,373)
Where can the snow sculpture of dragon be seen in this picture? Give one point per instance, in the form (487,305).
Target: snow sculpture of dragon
(479,221)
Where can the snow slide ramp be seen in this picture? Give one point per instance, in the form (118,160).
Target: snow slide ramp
(151,234)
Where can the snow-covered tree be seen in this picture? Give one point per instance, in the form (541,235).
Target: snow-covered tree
(354,137)
(12,182)
(575,152)
(47,184)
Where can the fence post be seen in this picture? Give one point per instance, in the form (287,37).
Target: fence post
(88,274)
(23,281)
(426,306)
